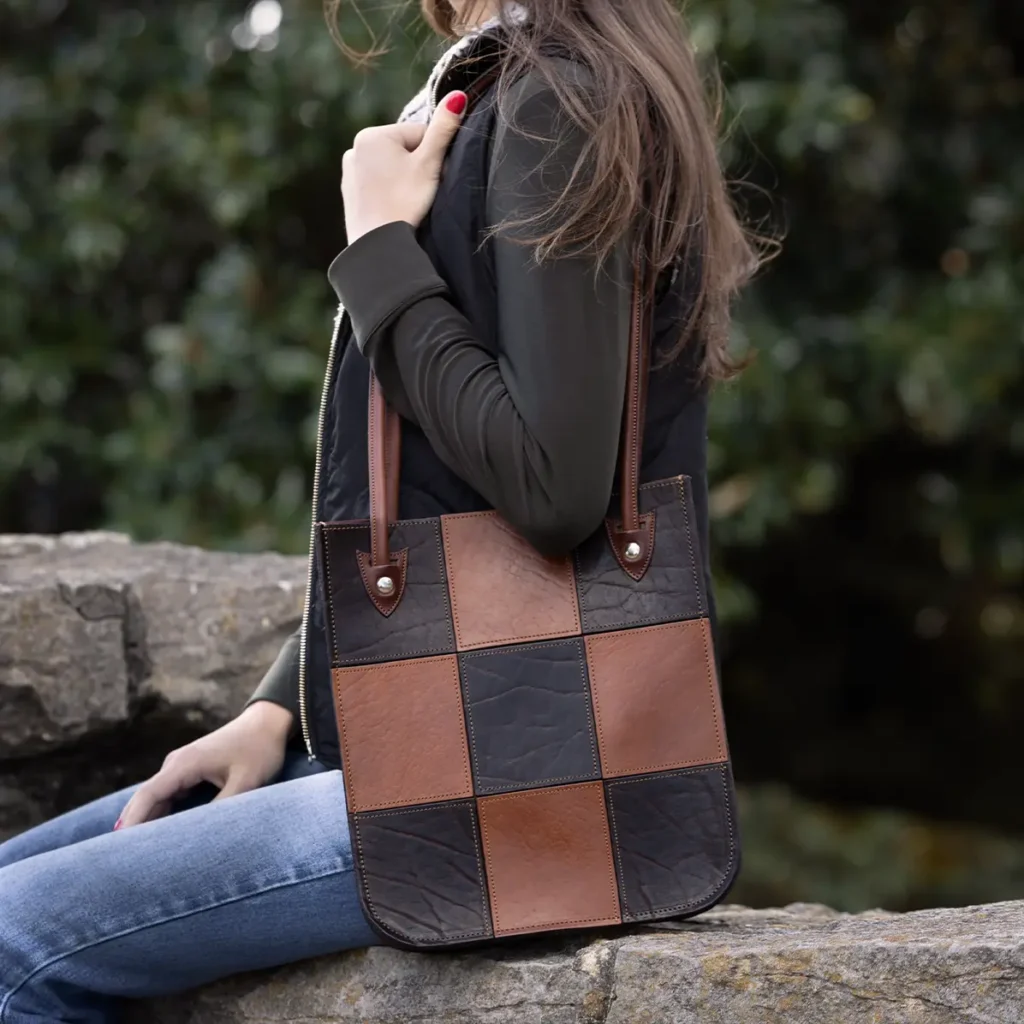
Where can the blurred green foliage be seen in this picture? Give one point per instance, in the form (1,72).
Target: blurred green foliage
(797,851)
(169,203)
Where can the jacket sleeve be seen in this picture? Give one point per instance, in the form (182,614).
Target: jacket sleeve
(281,683)
(534,429)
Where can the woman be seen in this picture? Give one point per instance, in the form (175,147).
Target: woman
(492,300)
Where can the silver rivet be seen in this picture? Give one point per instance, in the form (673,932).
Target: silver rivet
(632,551)
(386,586)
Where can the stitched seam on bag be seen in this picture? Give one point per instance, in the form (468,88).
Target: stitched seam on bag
(689,542)
(470,515)
(350,768)
(669,619)
(364,524)
(374,444)
(637,571)
(329,602)
(668,481)
(687,623)
(401,567)
(662,911)
(546,924)
(618,855)
(499,641)
(485,910)
(390,659)
(444,583)
(637,365)
(585,676)
(348,772)
(392,929)
(539,930)
(705,631)
(586,695)
(658,620)
(444,586)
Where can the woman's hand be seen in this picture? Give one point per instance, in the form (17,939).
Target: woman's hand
(391,172)
(242,755)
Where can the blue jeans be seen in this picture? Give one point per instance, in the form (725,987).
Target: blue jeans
(89,916)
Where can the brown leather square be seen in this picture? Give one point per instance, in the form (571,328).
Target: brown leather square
(402,732)
(655,697)
(502,590)
(549,859)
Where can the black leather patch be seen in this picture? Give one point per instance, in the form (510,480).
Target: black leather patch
(529,716)
(357,632)
(674,838)
(671,589)
(422,873)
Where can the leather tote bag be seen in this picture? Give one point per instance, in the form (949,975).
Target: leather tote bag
(529,744)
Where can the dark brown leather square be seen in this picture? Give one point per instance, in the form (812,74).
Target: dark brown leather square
(671,589)
(676,843)
(529,718)
(549,859)
(422,872)
(421,623)
(655,695)
(403,733)
(502,590)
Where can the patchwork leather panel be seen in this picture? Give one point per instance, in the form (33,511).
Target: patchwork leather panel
(670,590)
(529,717)
(675,840)
(421,873)
(549,859)
(502,590)
(403,734)
(357,631)
(530,744)
(655,693)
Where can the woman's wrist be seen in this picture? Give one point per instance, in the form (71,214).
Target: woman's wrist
(270,717)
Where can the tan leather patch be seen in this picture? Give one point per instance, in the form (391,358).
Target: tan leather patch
(402,732)
(549,859)
(502,590)
(655,697)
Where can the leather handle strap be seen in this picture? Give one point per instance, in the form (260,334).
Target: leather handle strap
(384,430)
(632,537)
(636,404)
(385,438)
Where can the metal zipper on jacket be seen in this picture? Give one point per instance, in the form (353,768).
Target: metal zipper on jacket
(303,713)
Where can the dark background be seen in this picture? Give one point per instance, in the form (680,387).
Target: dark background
(169,203)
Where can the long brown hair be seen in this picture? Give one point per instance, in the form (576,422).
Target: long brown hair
(650,168)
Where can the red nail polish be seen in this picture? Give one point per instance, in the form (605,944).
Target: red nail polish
(457,103)
(117,824)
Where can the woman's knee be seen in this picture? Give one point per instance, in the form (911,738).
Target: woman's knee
(86,822)
(23,939)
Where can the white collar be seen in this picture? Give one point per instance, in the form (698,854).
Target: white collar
(421,106)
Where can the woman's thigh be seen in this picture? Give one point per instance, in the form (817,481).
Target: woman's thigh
(254,881)
(95,818)
(84,822)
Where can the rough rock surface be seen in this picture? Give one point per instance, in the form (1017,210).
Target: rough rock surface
(92,625)
(112,653)
(804,964)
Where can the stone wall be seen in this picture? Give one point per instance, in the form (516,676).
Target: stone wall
(804,964)
(111,653)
